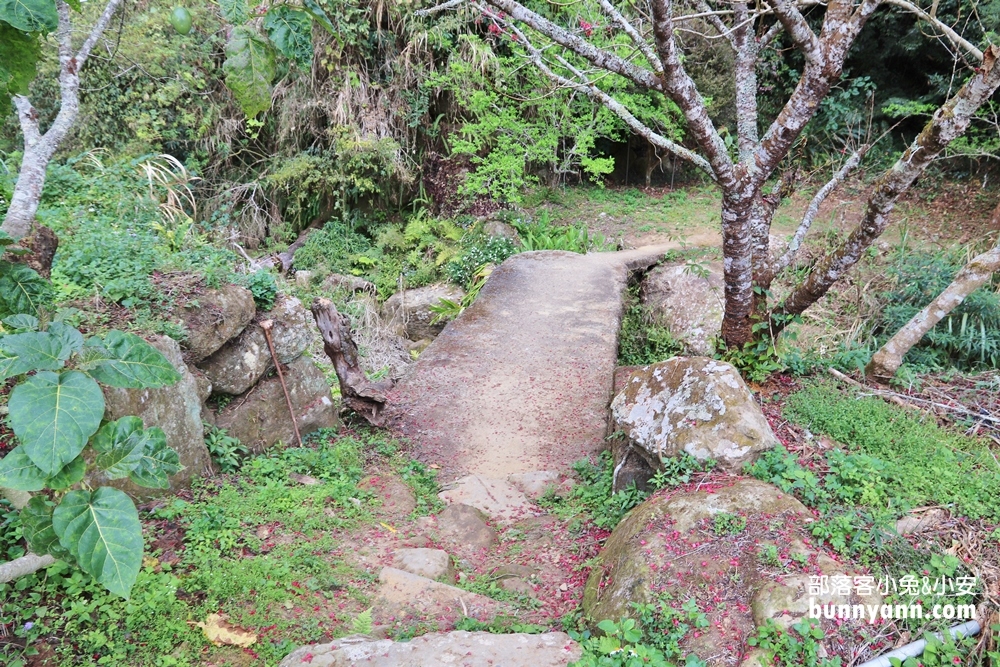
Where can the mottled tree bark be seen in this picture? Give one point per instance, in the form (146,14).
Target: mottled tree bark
(40,147)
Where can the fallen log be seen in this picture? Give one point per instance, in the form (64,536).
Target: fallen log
(365,397)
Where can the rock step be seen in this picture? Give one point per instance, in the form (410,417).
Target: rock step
(457,648)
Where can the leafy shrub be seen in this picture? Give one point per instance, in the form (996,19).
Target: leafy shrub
(56,413)
(479,251)
(652,638)
(225,450)
(263,287)
(967,338)
(797,647)
(115,237)
(543,235)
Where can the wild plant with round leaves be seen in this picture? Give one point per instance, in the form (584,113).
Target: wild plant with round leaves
(56,411)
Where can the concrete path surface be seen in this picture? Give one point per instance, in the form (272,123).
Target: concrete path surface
(521,381)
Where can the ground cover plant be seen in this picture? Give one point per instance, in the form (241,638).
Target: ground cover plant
(252,544)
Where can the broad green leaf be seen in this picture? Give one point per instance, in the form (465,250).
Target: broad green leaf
(30,15)
(21,323)
(290,31)
(36,526)
(17,471)
(314,9)
(67,334)
(53,415)
(34,351)
(234,11)
(22,290)
(120,445)
(19,54)
(157,463)
(102,531)
(71,473)
(132,363)
(6,239)
(249,69)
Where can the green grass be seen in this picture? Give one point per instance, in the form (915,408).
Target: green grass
(910,457)
(255,546)
(672,213)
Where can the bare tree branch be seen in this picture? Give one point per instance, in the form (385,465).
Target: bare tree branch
(807,219)
(633,33)
(97,31)
(682,90)
(587,87)
(840,28)
(716,20)
(598,57)
(889,358)
(957,40)
(948,123)
(802,35)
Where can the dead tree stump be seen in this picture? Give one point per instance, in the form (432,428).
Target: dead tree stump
(365,397)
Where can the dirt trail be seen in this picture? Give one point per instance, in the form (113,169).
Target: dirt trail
(522,380)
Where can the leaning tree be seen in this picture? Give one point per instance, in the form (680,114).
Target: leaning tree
(581,45)
(23,29)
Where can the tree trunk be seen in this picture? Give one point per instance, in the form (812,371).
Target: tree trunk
(737,252)
(365,397)
(27,191)
(973,275)
(39,148)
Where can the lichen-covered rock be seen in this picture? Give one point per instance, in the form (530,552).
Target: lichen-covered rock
(409,312)
(459,648)
(213,318)
(696,405)
(688,301)
(260,417)
(238,364)
(176,409)
(670,547)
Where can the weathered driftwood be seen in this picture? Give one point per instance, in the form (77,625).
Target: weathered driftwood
(365,397)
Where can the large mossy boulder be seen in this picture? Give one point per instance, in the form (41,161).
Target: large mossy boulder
(176,409)
(711,545)
(261,418)
(216,316)
(694,405)
(241,362)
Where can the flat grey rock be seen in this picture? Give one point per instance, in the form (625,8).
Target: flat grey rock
(494,497)
(457,649)
(431,563)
